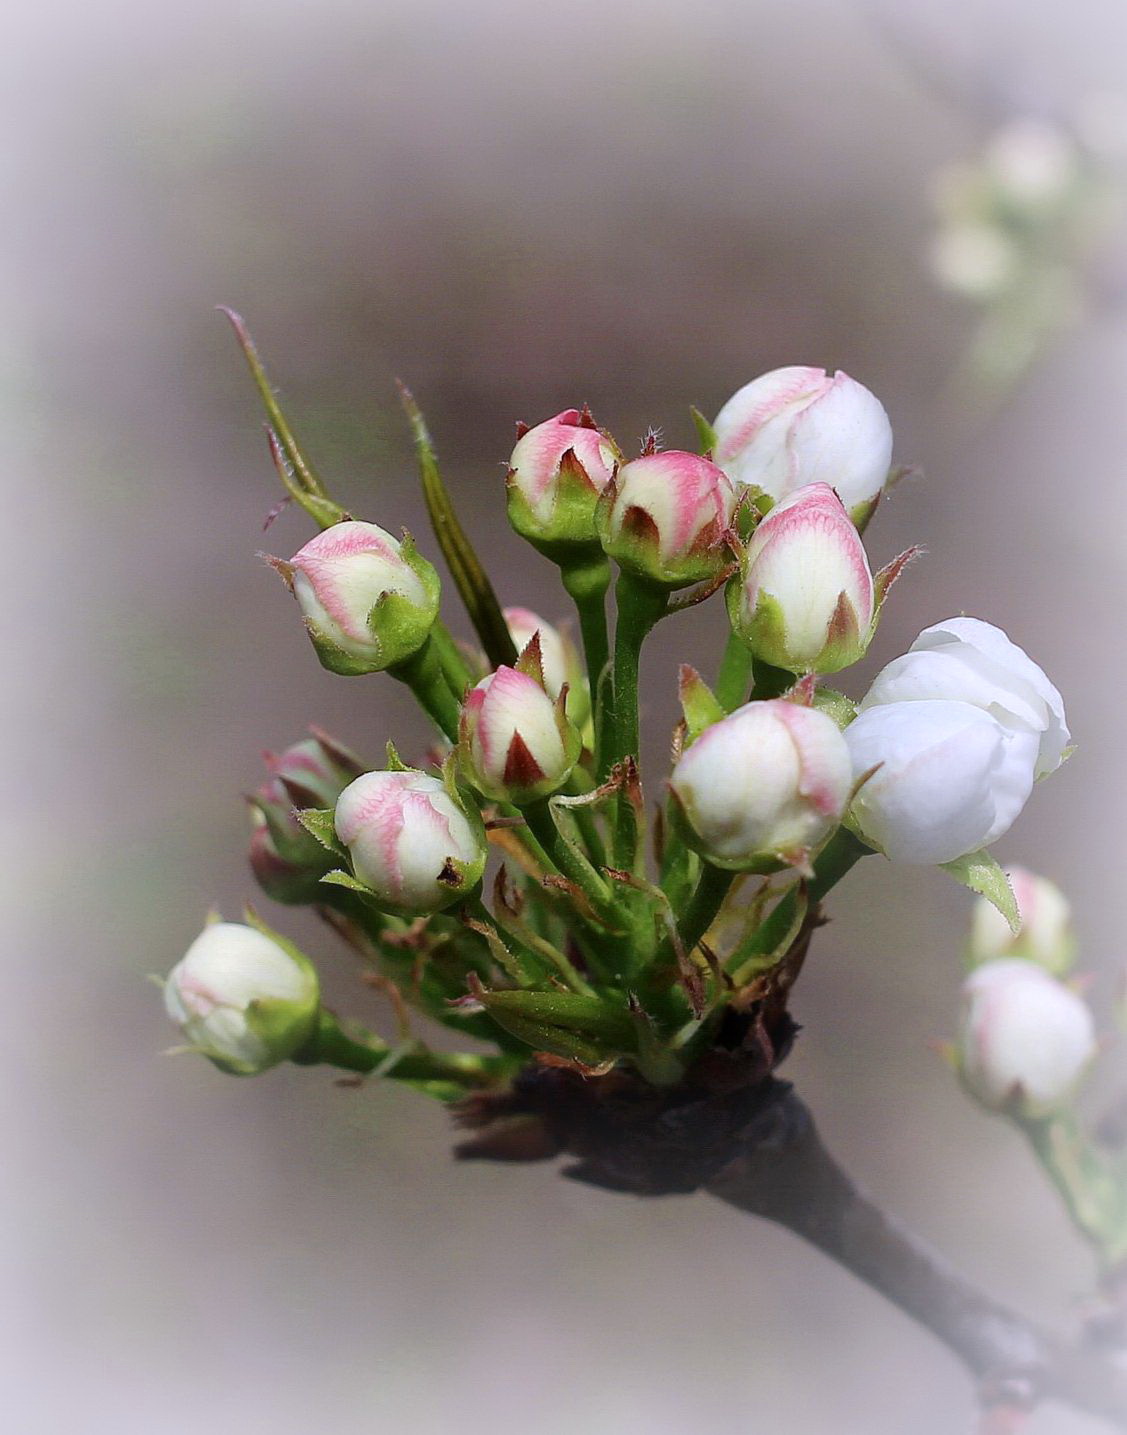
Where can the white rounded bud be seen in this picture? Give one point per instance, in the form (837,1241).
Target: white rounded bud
(369,601)
(969,661)
(805,599)
(556,473)
(797,425)
(1025,1039)
(245,1000)
(559,660)
(766,784)
(1045,935)
(517,744)
(951,779)
(411,844)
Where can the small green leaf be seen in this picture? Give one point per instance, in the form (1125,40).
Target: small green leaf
(318,822)
(465,567)
(706,434)
(981,873)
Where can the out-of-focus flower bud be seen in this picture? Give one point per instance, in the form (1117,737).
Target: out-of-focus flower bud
(1025,1038)
(559,659)
(798,425)
(369,601)
(765,785)
(556,473)
(310,773)
(974,259)
(1032,162)
(1045,935)
(244,999)
(951,779)
(413,843)
(967,660)
(665,517)
(516,743)
(805,599)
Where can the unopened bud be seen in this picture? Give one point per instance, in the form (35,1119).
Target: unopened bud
(967,660)
(1025,1039)
(796,426)
(556,473)
(243,999)
(765,785)
(413,843)
(805,599)
(559,659)
(516,743)
(666,517)
(1045,935)
(369,601)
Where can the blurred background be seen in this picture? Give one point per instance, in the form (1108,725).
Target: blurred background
(515,208)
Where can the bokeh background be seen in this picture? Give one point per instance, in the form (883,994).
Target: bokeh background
(514,207)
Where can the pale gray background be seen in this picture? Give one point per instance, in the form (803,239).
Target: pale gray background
(515,208)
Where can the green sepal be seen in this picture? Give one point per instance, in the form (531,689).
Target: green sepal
(706,434)
(981,873)
(699,704)
(835,705)
(299,849)
(551,1038)
(319,823)
(588,1016)
(394,762)
(465,567)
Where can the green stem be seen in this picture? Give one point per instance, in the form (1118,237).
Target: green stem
(1094,1197)
(733,682)
(706,901)
(587,582)
(566,857)
(838,857)
(455,669)
(331,1045)
(770,682)
(423,673)
(640,606)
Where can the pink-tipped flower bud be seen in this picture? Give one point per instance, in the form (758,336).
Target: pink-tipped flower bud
(516,743)
(763,786)
(1045,935)
(414,843)
(286,859)
(1025,1039)
(797,426)
(369,601)
(242,998)
(556,473)
(967,660)
(666,517)
(559,659)
(805,599)
(949,779)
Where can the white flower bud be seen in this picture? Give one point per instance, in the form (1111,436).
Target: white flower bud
(245,1000)
(766,784)
(369,601)
(558,657)
(1045,935)
(974,259)
(1025,1039)
(517,744)
(951,778)
(799,425)
(411,844)
(805,598)
(556,473)
(665,516)
(967,660)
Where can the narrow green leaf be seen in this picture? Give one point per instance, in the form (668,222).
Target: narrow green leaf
(465,567)
(706,434)
(981,873)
